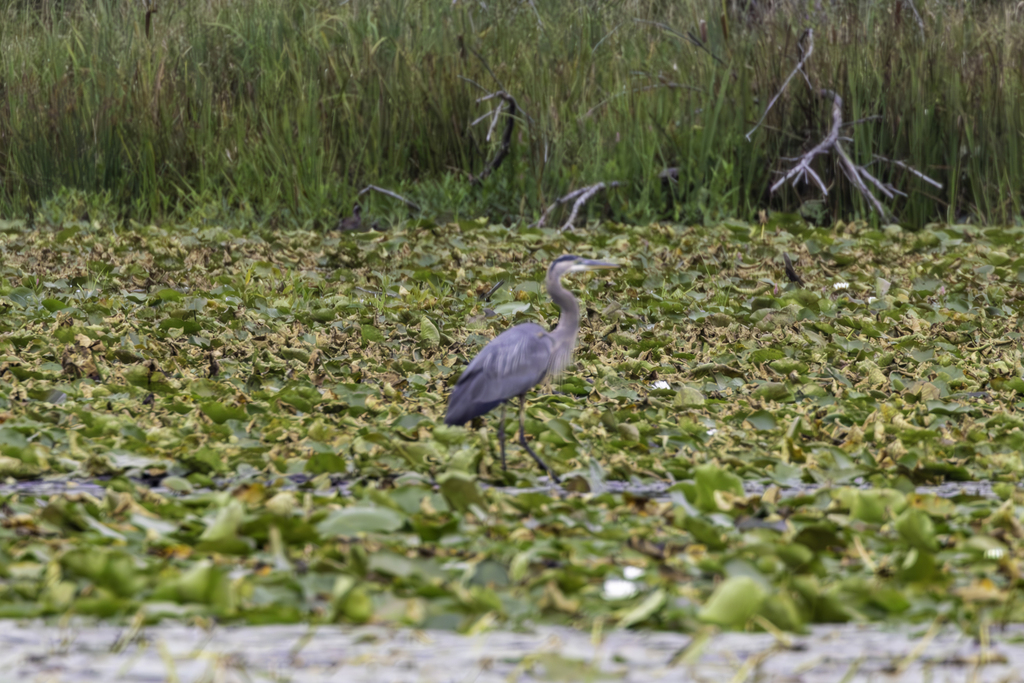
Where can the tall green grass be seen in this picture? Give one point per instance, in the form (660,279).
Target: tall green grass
(287,109)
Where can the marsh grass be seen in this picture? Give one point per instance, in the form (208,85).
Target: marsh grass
(285,110)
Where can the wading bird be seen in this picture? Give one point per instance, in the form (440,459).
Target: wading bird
(355,222)
(519,358)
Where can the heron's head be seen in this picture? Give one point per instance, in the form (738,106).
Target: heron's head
(563,265)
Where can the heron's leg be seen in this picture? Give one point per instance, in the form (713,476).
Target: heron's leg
(501,436)
(522,441)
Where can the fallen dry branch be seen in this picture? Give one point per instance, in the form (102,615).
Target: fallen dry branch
(858,175)
(910,170)
(802,169)
(806,54)
(917,17)
(579,198)
(394,195)
(506,138)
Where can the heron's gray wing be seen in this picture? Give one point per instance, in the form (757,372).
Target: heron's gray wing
(509,365)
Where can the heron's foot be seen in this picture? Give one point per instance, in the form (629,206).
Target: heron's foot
(543,465)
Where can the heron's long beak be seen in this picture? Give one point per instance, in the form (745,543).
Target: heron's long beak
(590,264)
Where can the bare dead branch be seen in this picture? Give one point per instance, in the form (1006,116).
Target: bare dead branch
(579,196)
(833,142)
(471,81)
(540,22)
(917,17)
(875,117)
(817,179)
(584,198)
(394,195)
(853,174)
(501,86)
(910,170)
(882,187)
(808,51)
(506,138)
(561,200)
(802,168)
(494,123)
(480,118)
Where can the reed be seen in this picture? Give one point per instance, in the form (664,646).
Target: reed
(287,109)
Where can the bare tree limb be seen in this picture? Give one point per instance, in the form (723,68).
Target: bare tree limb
(540,22)
(833,142)
(579,196)
(506,138)
(882,187)
(853,174)
(495,115)
(874,117)
(917,17)
(852,171)
(486,66)
(911,171)
(803,166)
(561,200)
(584,198)
(470,80)
(394,195)
(799,67)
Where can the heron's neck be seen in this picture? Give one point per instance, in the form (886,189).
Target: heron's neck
(569,319)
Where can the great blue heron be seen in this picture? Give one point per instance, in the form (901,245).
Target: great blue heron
(520,357)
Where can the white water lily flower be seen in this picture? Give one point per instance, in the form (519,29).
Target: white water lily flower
(619,589)
(841,285)
(632,573)
(661,384)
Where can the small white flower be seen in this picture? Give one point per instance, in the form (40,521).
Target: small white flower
(632,573)
(872,299)
(841,285)
(712,431)
(995,553)
(661,384)
(619,589)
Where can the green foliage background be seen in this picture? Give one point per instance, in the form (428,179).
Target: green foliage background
(290,108)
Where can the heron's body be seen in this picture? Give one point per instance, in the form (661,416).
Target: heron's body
(520,358)
(500,372)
